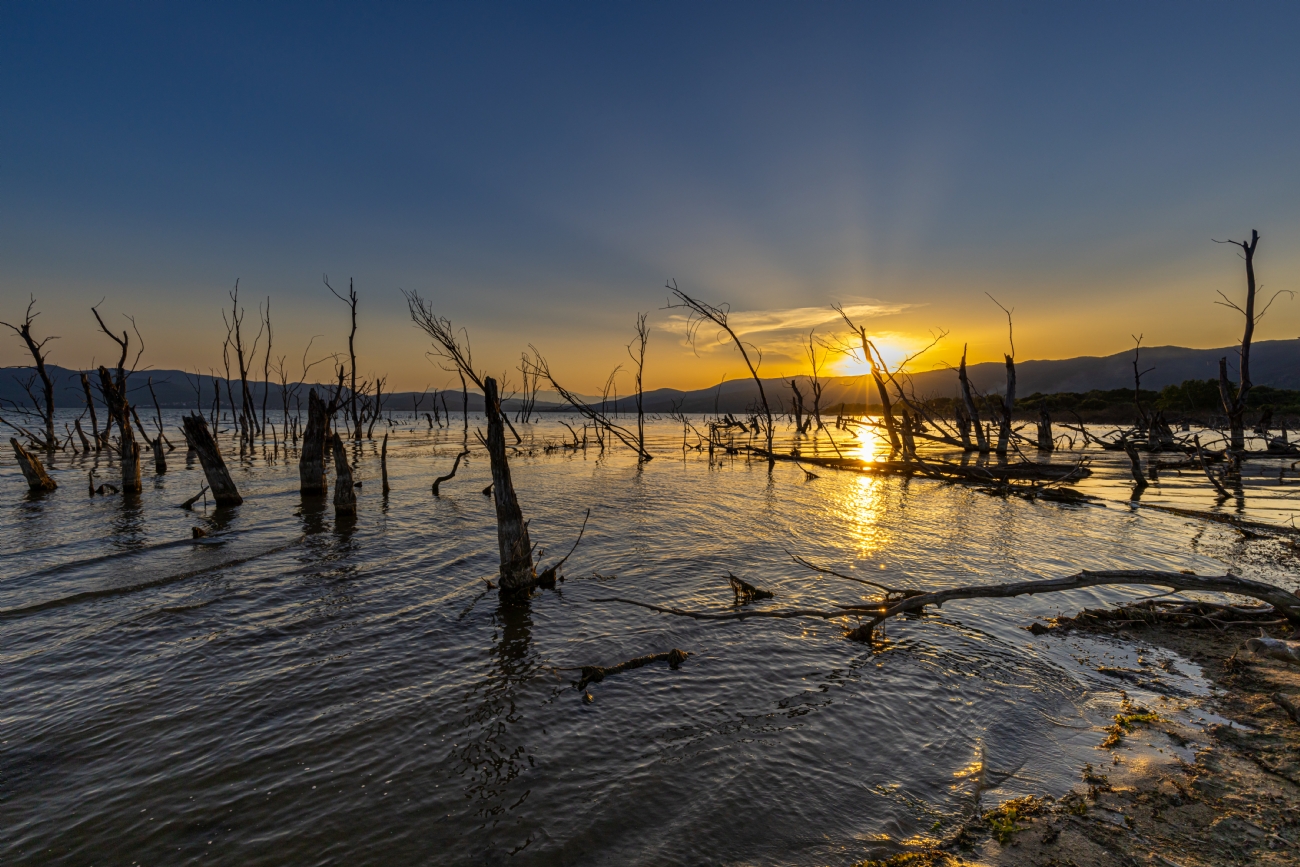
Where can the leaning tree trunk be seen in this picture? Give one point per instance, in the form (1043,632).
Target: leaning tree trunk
(130,449)
(214,466)
(345,489)
(517,575)
(311,459)
(90,404)
(33,470)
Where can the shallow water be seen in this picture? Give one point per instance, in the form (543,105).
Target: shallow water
(297,689)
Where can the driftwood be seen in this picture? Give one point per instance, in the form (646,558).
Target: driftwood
(447,478)
(746,592)
(1275,648)
(33,469)
(1288,705)
(345,493)
(897,602)
(201,440)
(517,575)
(311,460)
(597,673)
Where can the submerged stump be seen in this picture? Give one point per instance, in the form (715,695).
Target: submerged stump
(345,493)
(214,466)
(33,469)
(311,460)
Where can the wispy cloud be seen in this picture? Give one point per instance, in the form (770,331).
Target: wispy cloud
(800,318)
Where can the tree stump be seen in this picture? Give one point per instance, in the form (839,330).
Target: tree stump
(33,470)
(345,494)
(311,459)
(214,466)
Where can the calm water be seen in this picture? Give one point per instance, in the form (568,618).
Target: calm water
(296,689)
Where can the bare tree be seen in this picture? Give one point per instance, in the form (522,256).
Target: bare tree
(1009,398)
(266,361)
(351,301)
(871,357)
(586,410)
(814,379)
(700,312)
(37,349)
(638,357)
(1234,404)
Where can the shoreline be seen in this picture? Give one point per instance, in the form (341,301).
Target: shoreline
(1172,784)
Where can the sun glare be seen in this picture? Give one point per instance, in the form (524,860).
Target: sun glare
(892,350)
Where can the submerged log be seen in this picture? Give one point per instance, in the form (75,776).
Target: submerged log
(597,673)
(746,592)
(201,441)
(311,460)
(345,494)
(33,469)
(517,574)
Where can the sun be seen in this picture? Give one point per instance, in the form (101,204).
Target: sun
(894,349)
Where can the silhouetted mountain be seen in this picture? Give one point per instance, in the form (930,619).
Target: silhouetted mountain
(1273,362)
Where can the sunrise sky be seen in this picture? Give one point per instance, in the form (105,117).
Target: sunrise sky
(540,170)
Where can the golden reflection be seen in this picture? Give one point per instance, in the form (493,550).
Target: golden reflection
(865,507)
(869,445)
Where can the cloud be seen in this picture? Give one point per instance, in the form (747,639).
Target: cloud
(799,318)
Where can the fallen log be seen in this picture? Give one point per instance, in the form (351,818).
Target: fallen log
(33,469)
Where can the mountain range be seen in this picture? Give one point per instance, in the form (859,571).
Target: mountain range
(1273,362)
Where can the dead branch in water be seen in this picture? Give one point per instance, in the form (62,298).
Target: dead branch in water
(1286,604)
(746,592)
(447,478)
(597,673)
(587,411)
(33,469)
(546,579)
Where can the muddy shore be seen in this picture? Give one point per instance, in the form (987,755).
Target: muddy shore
(1181,782)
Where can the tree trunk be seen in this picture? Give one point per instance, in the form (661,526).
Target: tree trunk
(1008,404)
(972,414)
(159,458)
(345,492)
(130,450)
(33,470)
(311,460)
(383,463)
(90,404)
(214,466)
(1236,414)
(1045,441)
(85,443)
(517,575)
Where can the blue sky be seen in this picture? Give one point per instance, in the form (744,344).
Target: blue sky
(539,171)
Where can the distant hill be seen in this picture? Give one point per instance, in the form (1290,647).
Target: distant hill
(1274,363)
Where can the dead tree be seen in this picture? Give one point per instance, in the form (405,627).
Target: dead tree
(814,379)
(351,301)
(345,491)
(969,403)
(33,469)
(798,406)
(159,458)
(383,463)
(700,312)
(266,362)
(438,481)
(311,460)
(1234,403)
(454,348)
(638,357)
(1009,398)
(205,446)
(90,404)
(517,573)
(128,449)
(37,350)
(1138,373)
(235,340)
(868,351)
(586,410)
